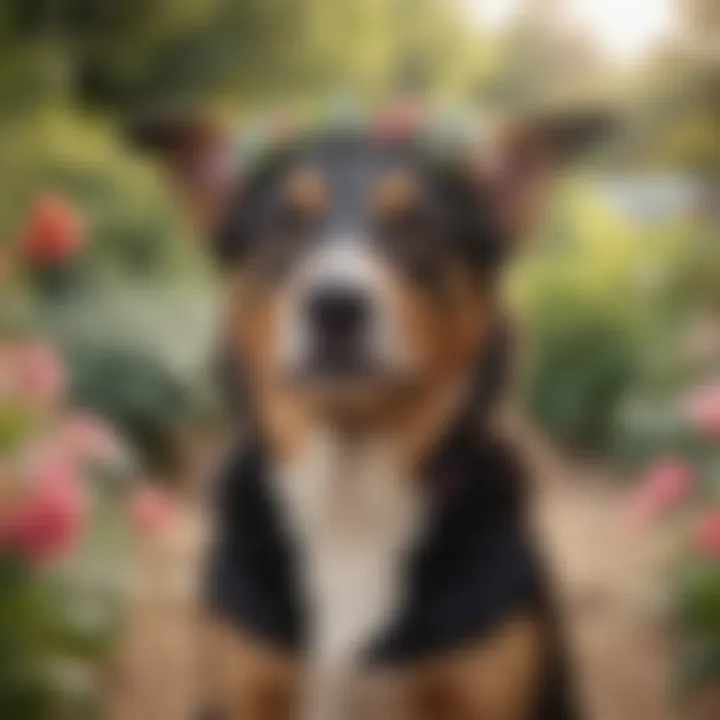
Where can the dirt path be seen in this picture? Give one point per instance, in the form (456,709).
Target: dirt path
(604,575)
(607,577)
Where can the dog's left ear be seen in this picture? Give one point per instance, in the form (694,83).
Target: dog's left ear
(518,171)
(194,151)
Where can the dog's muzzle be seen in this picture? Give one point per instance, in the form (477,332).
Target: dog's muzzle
(339,323)
(339,328)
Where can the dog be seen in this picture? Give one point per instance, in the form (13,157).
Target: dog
(372,556)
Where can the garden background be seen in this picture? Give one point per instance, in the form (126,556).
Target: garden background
(108,407)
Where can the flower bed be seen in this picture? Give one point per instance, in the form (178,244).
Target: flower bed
(71,501)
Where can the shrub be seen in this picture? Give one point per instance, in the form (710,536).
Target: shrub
(580,306)
(125,209)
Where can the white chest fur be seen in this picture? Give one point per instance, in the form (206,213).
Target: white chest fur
(354,517)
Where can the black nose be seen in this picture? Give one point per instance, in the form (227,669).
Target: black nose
(338,315)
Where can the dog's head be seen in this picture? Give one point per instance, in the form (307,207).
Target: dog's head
(365,273)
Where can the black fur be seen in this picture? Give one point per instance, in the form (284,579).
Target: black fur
(454,221)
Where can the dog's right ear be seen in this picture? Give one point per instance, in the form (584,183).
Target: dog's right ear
(519,169)
(195,152)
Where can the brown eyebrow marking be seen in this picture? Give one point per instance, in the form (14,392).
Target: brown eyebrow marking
(395,193)
(305,189)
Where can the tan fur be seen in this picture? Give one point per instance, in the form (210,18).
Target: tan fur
(447,339)
(495,679)
(305,190)
(244,680)
(395,194)
(251,323)
(443,340)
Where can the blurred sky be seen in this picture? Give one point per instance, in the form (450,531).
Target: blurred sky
(624,29)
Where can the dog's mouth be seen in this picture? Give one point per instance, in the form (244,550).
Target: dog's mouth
(347,372)
(349,385)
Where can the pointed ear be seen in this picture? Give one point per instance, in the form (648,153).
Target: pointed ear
(518,171)
(194,151)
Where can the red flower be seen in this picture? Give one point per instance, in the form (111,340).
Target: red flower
(702,409)
(708,533)
(48,523)
(663,485)
(54,231)
(150,509)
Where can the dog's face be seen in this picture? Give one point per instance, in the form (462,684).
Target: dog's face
(365,276)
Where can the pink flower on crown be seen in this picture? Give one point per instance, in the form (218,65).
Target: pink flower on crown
(48,522)
(398,120)
(150,509)
(664,484)
(708,533)
(702,410)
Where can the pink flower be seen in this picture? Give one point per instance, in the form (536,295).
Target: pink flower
(37,375)
(398,121)
(663,485)
(708,533)
(54,231)
(49,521)
(150,509)
(702,409)
(87,437)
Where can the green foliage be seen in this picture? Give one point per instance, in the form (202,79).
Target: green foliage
(697,610)
(23,617)
(607,305)
(579,302)
(137,356)
(55,627)
(135,391)
(133,228)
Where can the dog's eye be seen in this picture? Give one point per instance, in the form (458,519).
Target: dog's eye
(400,206)
(412,239)
(412,220)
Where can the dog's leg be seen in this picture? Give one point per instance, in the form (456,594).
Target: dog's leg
(244,680)
(497,679)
